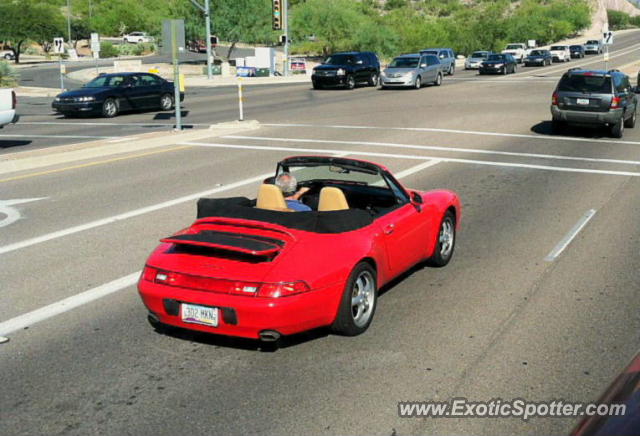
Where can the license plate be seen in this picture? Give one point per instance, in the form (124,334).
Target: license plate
(199,314)
(582,101)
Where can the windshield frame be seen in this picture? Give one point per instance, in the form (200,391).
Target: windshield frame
(108,78)
(414,59)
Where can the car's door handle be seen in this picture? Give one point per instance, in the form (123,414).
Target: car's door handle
(389,229)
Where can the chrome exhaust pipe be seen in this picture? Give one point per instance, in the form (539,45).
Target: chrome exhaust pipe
(269,336)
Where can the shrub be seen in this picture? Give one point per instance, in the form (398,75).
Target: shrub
(108,50)
(8,75)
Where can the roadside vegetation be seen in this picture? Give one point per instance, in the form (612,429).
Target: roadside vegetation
(8,75)
(317,26)
(621,20)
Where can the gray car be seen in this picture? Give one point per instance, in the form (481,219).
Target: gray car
(594,97)
(593,46)
(412,70)
(476,58)
(446,56)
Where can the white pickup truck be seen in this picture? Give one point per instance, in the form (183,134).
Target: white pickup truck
(517,50)
(7,107)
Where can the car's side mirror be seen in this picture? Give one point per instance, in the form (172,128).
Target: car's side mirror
(416,198)
(423,65)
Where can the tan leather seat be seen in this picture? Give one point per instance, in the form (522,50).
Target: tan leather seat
(270,197)
(332,198)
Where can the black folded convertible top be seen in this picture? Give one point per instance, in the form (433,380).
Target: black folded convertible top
(339,221)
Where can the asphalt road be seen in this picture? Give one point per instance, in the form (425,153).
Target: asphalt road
(501,321)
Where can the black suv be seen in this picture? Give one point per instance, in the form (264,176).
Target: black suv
(594,97)
(347,70)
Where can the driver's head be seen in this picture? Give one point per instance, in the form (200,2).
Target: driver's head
(287,184)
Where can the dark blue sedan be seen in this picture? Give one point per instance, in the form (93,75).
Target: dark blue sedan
(110,94)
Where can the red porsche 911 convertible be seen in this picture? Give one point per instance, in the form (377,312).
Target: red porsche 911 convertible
(257,269)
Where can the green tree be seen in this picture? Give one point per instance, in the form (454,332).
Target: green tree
(24,20)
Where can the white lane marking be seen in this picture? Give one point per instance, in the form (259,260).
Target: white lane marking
(457,131)
(35,316)
(56,136)
(123,216)
(505,80)
(128,138)
(12,214)
(439,148)
(63,123)
(564,242)
(75,301)
(417,157)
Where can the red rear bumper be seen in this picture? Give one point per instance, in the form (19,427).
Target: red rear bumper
(245,316)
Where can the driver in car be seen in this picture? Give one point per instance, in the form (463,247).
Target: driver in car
(288,184)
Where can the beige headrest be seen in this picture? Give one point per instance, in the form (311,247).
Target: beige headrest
(270,197)
(332,199)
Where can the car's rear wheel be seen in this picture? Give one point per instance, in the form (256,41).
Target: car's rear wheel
(630,122)
(418,83)
(166,102)
(373,80)
(358,302)
(109,108)
(446,241)
(452,70)
(438,81)
(617,130)
(351,82)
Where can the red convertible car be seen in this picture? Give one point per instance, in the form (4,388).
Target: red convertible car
(256,269)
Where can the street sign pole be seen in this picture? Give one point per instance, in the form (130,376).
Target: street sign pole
(207,15)
(58,48)
(176,75)
(61,73)
(285,11)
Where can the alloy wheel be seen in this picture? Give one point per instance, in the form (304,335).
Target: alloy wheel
(362,298)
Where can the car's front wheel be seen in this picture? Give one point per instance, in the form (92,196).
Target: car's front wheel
(109,108)
(358,302)
(446,241)
(373,80)
(166,102)
(351,82)
(317,85)
(418,83)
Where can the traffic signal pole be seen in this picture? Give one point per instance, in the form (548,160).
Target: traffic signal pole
(286,37)
(207,18)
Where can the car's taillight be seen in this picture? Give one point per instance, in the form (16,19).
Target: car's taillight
(235,287)
(14,100)
(277,290)
(615,102)
(554,99)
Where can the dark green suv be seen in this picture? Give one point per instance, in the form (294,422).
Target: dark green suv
(594,97)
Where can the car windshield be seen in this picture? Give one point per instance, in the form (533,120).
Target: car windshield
(592,42)
(404,63)
(479,54)
(497,57)
(514,47)
(431,52)
(340,59)
(585,84)
(105,82)
(537,53)
(576,47)
(341,173)
(558,47)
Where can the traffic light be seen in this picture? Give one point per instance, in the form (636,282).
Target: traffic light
(283,39)
(277,14)
(213,41)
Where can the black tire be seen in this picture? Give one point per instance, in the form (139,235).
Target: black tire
(160,327)
(373,79)
(166,102)
(418,83)
(505,70)
(452,70)
(446,243)
(617,130)
(317,85)
(351,82)
(438,80)
(630,122)
(109,108)
(347,323)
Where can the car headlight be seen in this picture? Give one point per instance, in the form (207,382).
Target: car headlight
(341,72)
(57,99)
(86,98)
(499,65)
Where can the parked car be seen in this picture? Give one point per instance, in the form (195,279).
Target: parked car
(197,46)
(110,94)
(560,53)
(446,56)
(7,55)
(576,51)
(593,46)
(475,59)
(256,269)
(517,50)
(347,70)
(136,38)
(8,103)
(594,98)
(499,64)
(412,70)
(538,57)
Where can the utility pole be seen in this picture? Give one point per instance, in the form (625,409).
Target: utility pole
(69,20)
(286,36)
(176,75)
(207,19)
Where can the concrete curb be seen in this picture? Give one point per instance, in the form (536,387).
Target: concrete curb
(29,160)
